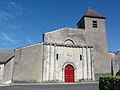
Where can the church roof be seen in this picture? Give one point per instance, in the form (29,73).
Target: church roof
(115,52)
(6,55)
(91,13)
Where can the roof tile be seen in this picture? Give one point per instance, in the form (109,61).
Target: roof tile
(91,13)
(5,55)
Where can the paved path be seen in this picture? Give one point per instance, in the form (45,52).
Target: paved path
(88,86)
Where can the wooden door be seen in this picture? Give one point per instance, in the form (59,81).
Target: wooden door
(69,73)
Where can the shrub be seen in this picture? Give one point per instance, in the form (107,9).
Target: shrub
(118,73)
(109,83)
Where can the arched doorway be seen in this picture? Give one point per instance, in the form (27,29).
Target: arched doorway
(69,73)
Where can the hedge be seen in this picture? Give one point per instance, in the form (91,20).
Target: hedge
(109,83)
(118,73)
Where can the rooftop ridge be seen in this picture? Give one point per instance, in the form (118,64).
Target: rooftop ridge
(91,13)
(6,50)
(115,52)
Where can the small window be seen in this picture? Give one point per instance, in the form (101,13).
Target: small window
(57,56)
(94,24)
(68,41)
(80,57)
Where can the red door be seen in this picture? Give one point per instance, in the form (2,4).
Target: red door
(69,73)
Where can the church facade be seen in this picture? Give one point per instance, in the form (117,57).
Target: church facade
(65,55)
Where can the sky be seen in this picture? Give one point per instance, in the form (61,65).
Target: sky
(22,22)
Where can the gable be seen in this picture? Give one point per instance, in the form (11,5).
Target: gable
(77,36)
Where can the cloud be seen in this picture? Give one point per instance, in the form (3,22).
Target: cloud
(4,15)
(12,3)
(30,41)
(15,8)
(1,48)
(4,36)
(14,26)
(10,10)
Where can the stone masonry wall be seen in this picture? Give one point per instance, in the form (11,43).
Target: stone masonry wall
(53,69)
(61,35)
(8,71)
(97,38)
(28,63)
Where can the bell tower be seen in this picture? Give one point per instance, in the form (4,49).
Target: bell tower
(95,31)
(94,25)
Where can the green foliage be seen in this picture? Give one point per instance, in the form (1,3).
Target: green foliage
(118,73)
(109,83)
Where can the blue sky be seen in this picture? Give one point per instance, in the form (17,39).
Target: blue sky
(22,22)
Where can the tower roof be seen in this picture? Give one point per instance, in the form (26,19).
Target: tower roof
(91,13)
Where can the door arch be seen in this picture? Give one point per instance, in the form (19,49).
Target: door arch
(69,73)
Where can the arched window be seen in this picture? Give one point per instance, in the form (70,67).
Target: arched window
(68,41)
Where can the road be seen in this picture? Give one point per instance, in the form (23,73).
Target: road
(88,86)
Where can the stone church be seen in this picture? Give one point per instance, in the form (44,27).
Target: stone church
(66,55)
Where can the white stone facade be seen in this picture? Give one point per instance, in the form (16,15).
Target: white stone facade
(1,71)
(56,57)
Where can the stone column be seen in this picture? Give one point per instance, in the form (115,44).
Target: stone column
(54,76)
(78,63)
(44,62)
(56,63)
(85,64)
(81,65)
(92,64)
(47,62)
(89,63)
(51,64)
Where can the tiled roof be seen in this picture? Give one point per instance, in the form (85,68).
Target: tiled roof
(5,55)
(116,52)
(91,13)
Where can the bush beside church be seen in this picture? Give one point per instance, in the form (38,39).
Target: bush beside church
(110,82)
